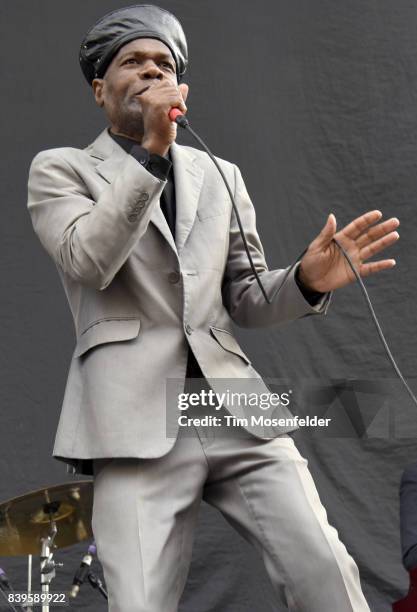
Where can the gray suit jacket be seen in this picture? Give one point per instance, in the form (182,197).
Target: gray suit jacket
(138,298)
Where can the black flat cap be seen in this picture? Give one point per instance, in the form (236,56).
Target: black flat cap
(111,32)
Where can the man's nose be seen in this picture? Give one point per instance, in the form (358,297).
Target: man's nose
(151,71)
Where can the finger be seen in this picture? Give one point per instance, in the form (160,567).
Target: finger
(377,232)
(178,91)
(177,101)
(355,228)
(378,245)
(184,89)
(326,234)
(173,93)
(376,266)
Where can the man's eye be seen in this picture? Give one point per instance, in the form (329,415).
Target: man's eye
(132,60)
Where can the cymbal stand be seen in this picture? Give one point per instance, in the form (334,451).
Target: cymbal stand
(48,564)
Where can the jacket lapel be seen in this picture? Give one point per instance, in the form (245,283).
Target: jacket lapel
(109,154)
(188,178)
(158,219)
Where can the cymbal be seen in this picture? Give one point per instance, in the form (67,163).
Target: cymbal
(26,519)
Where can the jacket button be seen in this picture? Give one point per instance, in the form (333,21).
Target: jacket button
(143,197)
(132,218)
(189,329)
(173,277)
(133,208)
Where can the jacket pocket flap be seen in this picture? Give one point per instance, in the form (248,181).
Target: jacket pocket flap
(228,342)
(107,330)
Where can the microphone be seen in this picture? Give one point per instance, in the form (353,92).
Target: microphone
(83,570)
(4,581)
(177,116)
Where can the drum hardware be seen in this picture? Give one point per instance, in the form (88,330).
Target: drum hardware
(42,521)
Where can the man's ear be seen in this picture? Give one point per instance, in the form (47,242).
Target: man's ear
(98,85)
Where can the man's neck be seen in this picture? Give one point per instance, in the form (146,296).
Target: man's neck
(127,143)
(136,139)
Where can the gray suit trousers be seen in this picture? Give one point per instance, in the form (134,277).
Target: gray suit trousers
(145,511)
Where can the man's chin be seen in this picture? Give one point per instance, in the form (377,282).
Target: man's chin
(131,122)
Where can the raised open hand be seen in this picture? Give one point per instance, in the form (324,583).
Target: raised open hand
(324,267)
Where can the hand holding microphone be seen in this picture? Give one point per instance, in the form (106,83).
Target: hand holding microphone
(176,115)
(157,102)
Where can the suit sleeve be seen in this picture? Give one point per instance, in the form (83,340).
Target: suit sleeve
(89,240)
(241,294)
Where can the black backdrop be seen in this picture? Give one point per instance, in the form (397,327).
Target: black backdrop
(316,103)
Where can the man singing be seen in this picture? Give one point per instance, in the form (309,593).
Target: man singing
(148,249)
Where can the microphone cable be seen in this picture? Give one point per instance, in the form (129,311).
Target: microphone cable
(376,322)
(176,115)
